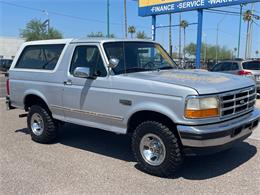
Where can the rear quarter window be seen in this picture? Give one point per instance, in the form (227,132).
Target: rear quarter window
(253,65)
(41,57)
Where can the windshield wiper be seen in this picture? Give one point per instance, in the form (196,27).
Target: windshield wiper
(165,68)
(133,70)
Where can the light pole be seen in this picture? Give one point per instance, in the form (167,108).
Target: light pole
(251,33)
(180,39)
(184,41)
(108,33)
(217,37)
(239,32)
(205,47)
(125,14)
(170,34)
(46,22)
(247,18)
(235,50)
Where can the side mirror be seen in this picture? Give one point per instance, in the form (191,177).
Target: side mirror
(113,62)
(81,72)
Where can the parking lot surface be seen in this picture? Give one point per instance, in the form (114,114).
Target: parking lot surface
(2,85)
(86,161)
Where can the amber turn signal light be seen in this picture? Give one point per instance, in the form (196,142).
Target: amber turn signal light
(207,113)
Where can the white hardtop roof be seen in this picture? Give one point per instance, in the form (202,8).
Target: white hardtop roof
(90,40)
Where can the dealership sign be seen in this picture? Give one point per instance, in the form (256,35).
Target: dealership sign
(156,7)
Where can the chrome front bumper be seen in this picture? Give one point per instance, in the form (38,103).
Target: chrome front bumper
(219,134)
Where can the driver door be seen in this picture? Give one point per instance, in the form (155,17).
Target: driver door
(84,99)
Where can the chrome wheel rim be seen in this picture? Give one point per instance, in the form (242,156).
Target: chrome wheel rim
(152,149)
(37,124)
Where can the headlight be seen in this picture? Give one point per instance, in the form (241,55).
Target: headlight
(197,108)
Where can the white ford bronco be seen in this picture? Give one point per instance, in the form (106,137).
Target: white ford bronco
(131,87)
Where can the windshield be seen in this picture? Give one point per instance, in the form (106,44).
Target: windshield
(138,57)
(253,65)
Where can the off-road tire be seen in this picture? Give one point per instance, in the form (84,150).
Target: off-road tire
(173,158)
(50,131)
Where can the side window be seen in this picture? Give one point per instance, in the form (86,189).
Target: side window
(251,65)
(44,57)
(217,67)
(234,66)
(226,66)
(88,56)
(229,66)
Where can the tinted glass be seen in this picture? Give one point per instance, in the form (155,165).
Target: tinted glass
(253,65)
(138,56)
(234,66)
(226,66)
(43,57)
(217,67)
(6,62)
(88,56)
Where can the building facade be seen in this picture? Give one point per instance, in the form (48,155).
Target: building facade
(9,46)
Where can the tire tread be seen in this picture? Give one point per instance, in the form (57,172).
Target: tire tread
(175,157)
(50,126)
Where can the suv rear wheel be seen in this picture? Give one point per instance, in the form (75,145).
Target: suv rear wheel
(156,149)
(42,126)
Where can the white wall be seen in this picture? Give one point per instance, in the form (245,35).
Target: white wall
(9,46)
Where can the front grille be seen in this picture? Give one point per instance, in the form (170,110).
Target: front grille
(237,102)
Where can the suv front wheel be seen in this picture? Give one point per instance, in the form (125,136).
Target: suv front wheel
(156,149)
(42,126)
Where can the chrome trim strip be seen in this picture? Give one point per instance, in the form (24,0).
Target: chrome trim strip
(238,91)
(237,106)
(237,99)
(251,92)
(101,115)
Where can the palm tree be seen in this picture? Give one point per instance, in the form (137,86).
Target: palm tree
(141,35)
(184,24)
(131,30)
(256,53)
(247,17)
(36,30)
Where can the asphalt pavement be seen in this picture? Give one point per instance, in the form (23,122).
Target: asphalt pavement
(91,161)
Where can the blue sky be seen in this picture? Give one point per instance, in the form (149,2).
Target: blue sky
(90,16)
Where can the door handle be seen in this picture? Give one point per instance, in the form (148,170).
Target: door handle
(68,82)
